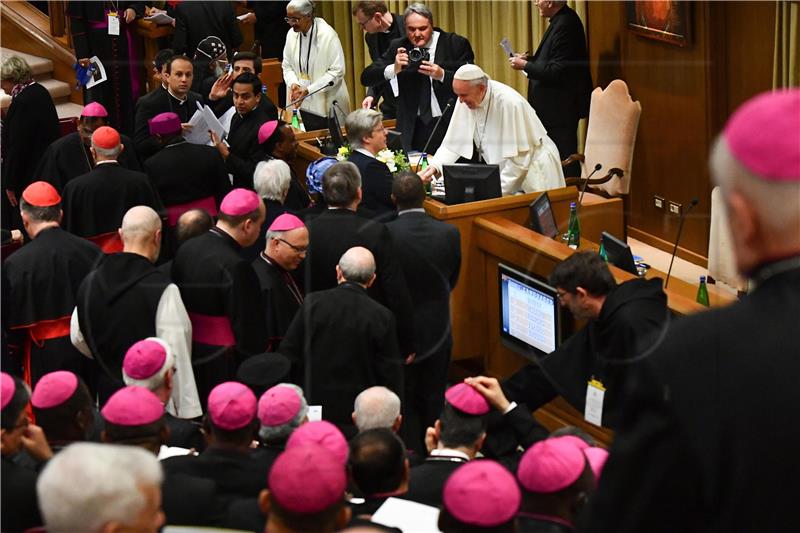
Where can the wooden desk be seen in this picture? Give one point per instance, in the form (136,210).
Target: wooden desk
(468,300)
(500,239)
(150,33)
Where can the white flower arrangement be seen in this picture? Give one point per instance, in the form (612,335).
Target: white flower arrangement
(396,161)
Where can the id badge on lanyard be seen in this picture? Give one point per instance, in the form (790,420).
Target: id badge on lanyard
(113,22)
(595,394)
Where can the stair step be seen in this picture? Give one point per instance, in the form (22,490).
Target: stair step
(56,88)
(39,65)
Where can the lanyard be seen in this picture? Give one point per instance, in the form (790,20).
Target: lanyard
(308,52)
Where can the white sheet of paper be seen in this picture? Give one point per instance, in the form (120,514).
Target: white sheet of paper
(213,123)
(226,118)
(161,18)
(507,48)
(314,413)
(408,516)
(99,74)
(199,132)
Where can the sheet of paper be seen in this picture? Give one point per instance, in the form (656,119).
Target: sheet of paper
(161,18)
(408,516)
(99,75)
(507,48)
(314,413)
(213,123)
(226,118)
(199,131)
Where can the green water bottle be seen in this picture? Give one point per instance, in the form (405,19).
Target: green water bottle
(702,292)
(423,164)
(602,251)
(574,227)
(296,120)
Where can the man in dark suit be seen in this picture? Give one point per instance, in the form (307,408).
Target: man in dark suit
(429,252)
(342,342)
(340,228)
(176,98)
(221,96)
(560,84)
(367,137)
(380,27)
(194,21)
(424,87)
(686,456)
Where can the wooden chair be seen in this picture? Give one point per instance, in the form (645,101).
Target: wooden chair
(610,139)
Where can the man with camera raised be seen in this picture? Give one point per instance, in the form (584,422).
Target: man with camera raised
(424,62)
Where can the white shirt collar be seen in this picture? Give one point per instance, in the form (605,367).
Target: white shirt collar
(181,100)
(449,452)
(413,210)
(365,152)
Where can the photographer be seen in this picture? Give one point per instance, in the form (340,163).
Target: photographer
(424,62)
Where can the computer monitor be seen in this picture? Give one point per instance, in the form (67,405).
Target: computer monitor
(394,141)
(542,219)
(618,253)
(529,313)
(335,129)
(312,121)
(465,182)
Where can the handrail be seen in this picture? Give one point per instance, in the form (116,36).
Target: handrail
(28,24)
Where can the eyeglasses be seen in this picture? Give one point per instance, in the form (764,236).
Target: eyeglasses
(294,20)
(293,247)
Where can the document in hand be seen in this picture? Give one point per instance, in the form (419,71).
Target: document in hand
(201,122)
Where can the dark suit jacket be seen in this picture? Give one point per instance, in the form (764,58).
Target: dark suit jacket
(429,252)
(194,21)
(185,172)
(452,51)
(343,342)
(245,151)
(426,481)
(334,232)
(560,84)
(378,43)
(191,501)
(152,104)
(707,431)
(376,183)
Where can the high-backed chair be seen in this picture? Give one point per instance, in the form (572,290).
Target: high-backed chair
(610,139)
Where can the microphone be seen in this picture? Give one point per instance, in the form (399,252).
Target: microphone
(336,106)
(597,167)
(298,100)
(692,203)
(436,127)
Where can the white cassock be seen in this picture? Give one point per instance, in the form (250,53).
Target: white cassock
(508,133)
(313,61)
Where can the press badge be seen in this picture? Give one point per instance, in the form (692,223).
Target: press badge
(595,392)
(113,23)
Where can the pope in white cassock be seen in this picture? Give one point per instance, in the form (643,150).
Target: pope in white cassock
(504,128)
(312,59)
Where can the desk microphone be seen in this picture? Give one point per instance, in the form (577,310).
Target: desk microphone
(597,167)
(298,100)
(436,127)
(692,203)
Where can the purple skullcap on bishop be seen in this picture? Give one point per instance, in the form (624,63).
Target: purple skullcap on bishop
(144,359)
(266,130)
(133,406)
(466,399)
(324,434)
(231,405)
(7,389)
(481,493)
(94,109)
(286,222)
(576,441)
(165,124)
(239,202)
(307,479)
(551,465)
(278,406)
(763,135)
(53,389)
(41,194)
(597,459)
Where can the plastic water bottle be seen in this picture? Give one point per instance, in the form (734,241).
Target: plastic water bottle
(574,227)
(702,292)
(423,164)
(297,121)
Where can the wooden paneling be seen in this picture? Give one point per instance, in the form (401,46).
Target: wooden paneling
(686,95)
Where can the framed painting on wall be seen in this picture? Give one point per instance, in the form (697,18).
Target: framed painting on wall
(662,20)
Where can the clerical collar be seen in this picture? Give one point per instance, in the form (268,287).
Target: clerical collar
(180,100)
(107,162)
(774,268)
(413,210)
(449,453)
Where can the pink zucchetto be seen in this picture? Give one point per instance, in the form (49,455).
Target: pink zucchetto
(286,222)
(481,493)
(133,406)
(763,135)
(551,465)
(466,399)
(164,124)
(239,202)
(266,130)
(144,359)
(278,406)
(7,389)
(53,389)
(322,433)
(231,405)
(307,479)
(597,459)
(94,110)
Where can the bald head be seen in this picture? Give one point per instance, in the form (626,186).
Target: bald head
(357,265)
(141,232)
(192,223)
